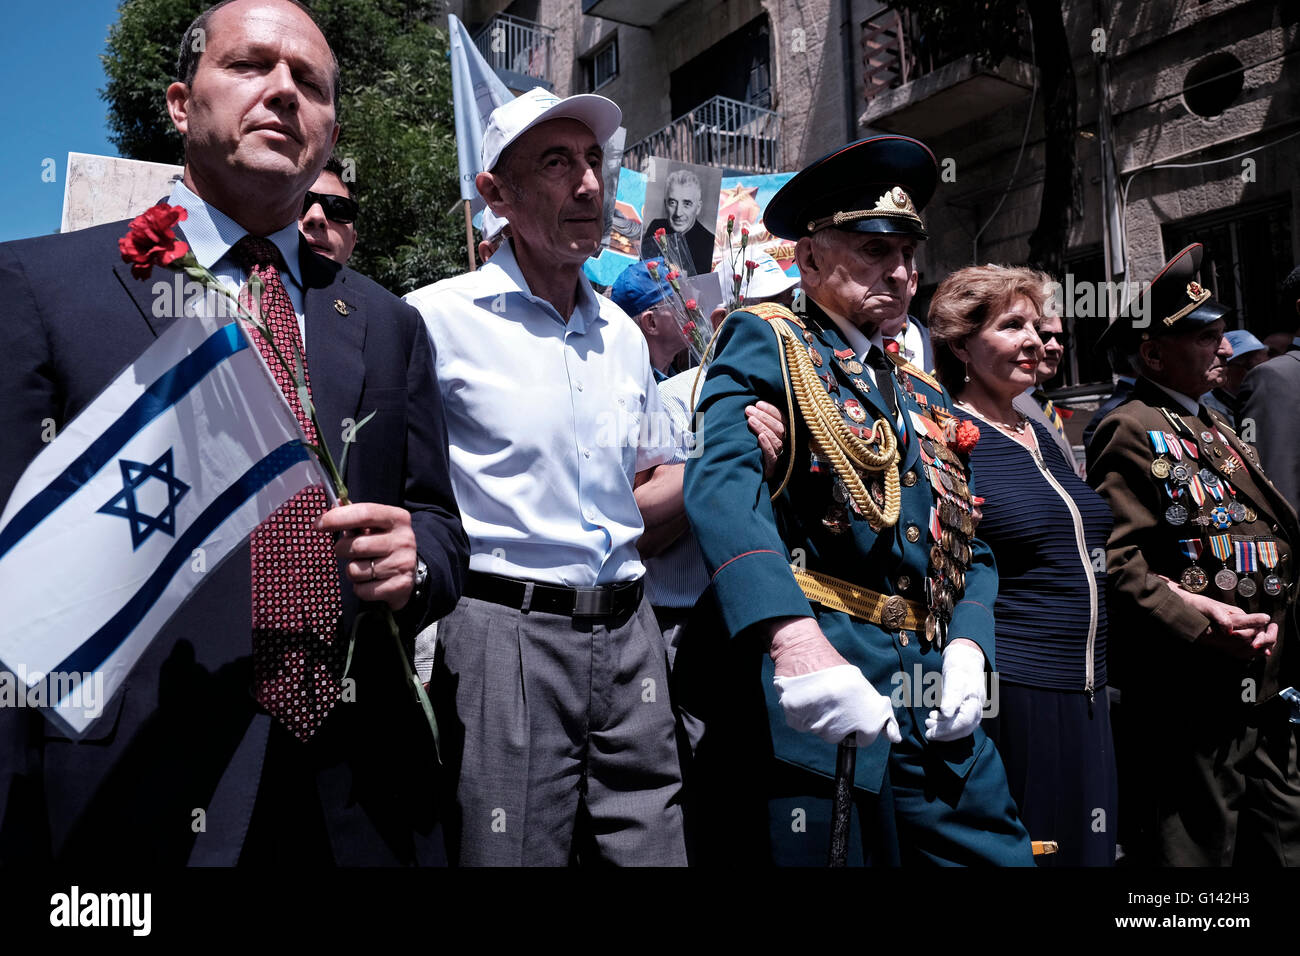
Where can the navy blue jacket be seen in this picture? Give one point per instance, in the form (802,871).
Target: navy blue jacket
(185,733)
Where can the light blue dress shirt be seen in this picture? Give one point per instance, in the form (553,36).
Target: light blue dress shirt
(548,425)
(211,234)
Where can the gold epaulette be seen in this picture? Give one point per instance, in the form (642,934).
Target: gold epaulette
(914,371)
(772,310)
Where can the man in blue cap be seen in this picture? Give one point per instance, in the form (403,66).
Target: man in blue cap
(1202,576)
(855,593)
(1224,396)
(646,297)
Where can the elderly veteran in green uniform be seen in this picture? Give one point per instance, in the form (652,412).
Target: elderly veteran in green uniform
(852,579)
(1202,574)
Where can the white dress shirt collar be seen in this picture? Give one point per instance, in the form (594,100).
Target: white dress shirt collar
(502,274)
(859,342)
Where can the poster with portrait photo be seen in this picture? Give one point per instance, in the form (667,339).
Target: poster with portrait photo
(681,199)
(613,165)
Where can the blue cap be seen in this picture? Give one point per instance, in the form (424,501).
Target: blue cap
(635,291)
(1243,343)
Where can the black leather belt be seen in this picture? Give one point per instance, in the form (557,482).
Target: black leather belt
(611,600)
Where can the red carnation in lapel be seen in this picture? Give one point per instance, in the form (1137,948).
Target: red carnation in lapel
(150,241)
(968,436)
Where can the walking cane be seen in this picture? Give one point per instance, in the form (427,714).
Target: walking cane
(846,758)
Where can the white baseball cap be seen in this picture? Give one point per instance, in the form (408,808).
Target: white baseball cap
(511,120)
(767,280)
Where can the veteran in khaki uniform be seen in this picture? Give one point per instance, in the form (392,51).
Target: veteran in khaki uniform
(851,582)
(1202,575)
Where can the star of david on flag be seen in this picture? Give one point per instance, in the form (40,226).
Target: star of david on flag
(144,492)
(124,503)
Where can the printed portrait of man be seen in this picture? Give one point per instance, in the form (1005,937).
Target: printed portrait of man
(689,204)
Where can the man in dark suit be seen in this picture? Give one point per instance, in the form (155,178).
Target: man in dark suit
(1201,562)
(1269,397)
(215,751)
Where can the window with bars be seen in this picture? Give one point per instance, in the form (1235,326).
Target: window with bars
(601,66)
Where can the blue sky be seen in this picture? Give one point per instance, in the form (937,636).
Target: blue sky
(51,77)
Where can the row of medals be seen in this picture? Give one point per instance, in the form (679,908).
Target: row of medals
(1221,516)
(950,555)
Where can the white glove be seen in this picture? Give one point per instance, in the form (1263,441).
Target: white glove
(835,702)
(962,703)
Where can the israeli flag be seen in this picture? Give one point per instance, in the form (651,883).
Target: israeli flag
(120,518)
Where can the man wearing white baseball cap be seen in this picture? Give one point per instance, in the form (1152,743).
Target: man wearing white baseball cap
(550,676)
(766,282)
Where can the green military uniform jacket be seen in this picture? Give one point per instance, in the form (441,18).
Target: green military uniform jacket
(749,540)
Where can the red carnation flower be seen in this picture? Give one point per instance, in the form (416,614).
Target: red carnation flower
(751,265)
(659,233)
(652,269)
(744,230)
(673,275)
(150,240)
(689,327)
(968,436)
(731,223)
(690,305)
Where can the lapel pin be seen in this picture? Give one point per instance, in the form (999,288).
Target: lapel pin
(340,307)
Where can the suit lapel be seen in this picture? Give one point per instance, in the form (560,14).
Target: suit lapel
(141,292)
(334,345)
(1261,488)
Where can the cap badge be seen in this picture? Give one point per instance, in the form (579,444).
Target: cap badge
(1197,293)
(894,203)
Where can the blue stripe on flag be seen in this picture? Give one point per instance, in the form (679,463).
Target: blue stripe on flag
(90,656)
(170,387)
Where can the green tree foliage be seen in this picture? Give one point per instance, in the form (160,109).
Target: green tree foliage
(398,127)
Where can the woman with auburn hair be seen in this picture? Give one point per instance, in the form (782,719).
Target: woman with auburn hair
(1044,526)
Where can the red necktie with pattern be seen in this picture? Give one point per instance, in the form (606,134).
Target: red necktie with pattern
(297,662)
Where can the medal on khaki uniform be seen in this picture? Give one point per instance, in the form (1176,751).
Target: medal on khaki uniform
(1225,579)
(1194,577)
(1244,549)
(1268,557)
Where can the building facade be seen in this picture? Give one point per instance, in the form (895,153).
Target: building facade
(1187,128)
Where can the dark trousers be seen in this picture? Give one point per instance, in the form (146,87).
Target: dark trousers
(556,729)
(1219,789)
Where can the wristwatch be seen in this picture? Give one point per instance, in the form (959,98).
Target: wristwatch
(421,577)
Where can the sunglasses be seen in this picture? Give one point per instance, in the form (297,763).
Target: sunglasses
(338,209)
(1062,338)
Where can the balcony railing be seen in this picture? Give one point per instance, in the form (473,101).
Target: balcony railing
(515,46)
(895,51)
(719,132)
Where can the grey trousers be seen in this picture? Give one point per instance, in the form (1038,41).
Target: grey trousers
(544,719)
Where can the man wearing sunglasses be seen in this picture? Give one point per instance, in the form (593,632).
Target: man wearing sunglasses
(1034,402)
(329,215)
